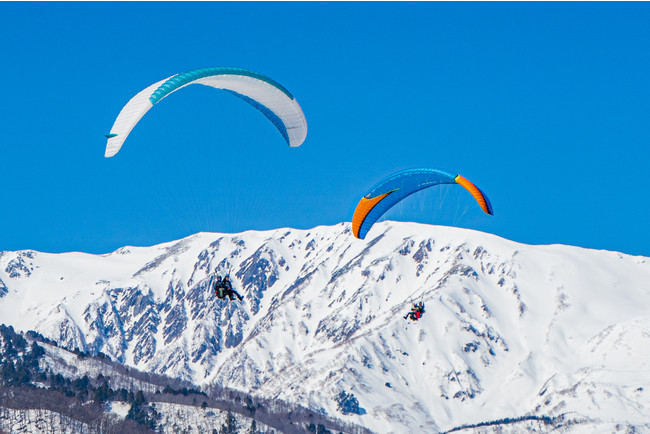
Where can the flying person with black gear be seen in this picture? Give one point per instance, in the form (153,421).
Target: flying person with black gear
(223,288)
(218,287)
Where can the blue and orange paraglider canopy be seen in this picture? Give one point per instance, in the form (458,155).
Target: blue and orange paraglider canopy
(391,190)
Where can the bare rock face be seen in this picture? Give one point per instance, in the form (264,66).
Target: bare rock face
(3,289)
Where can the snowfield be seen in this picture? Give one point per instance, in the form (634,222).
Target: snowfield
(510,330)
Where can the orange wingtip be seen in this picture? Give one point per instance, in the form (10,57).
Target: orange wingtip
(480,198)
(362,210)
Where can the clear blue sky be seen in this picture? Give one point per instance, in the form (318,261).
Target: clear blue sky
(545,106)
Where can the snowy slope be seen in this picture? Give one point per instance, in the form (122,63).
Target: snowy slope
(509,329)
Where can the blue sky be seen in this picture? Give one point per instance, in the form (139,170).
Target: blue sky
(544,106)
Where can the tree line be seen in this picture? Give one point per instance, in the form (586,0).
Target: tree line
(84,398)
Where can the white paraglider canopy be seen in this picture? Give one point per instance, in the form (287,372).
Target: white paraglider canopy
(269,97)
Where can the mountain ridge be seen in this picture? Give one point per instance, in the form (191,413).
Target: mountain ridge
(323,311)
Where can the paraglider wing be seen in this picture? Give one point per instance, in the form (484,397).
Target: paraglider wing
(129,116)
(269,97)
(481,198)
(391,190)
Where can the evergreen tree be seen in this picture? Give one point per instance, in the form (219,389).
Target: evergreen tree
(347,403)
(231,426)
(8,373)
(102,393)
(322,430)
(250,406)
(35,354)
(141,412)
(81,383)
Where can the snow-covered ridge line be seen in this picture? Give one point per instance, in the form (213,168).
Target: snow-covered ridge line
(510,329)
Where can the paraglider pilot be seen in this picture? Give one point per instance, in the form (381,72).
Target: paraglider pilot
(223,288)
(416,312)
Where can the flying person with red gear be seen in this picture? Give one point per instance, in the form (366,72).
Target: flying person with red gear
(416,312)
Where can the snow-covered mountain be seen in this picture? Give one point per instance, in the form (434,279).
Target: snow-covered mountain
(510,330)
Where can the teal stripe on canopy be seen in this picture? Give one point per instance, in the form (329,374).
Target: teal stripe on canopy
(184,78)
